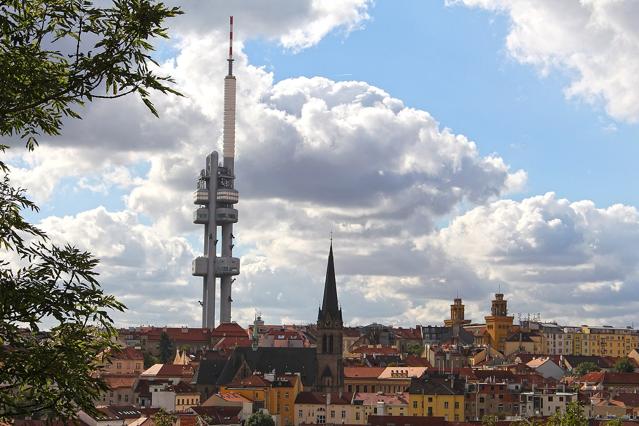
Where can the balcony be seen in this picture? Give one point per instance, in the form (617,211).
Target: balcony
(223,266)
(201,216)
(224,172)
(201,196)
(225,215)
(199,267)
(227,266)
(227,196)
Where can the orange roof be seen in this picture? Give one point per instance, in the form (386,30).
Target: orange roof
(368,398)
(402,372)
(119,382)
(168,370)
(363,372)
(127,353)
(253,381)
(227,343)
(233,397)
(592,377)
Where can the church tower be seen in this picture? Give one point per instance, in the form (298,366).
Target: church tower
(329,335)
(499,323)
(456,314)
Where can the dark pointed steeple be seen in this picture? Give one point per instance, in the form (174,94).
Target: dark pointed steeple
(330,306)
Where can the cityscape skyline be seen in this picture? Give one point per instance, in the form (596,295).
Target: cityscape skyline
(430,210)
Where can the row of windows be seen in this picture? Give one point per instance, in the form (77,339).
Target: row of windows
(190,401)
(430,399)
(374,388)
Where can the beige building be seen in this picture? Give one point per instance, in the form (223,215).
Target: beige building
(230,399)
(127,361)
(382,404)
(545,402)
(174,398)
(120,391)
(323,408)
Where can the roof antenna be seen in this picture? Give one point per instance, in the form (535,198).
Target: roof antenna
(230,59)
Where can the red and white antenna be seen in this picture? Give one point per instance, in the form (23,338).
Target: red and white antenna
(230,59)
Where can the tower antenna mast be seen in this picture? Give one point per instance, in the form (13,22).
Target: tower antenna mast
(230,58)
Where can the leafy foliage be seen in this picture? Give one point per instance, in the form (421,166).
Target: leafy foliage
(162,418)
(585,368)
(150,360)
(166,348)
(44,371)
(415,349)
(624,365)
(573,416)
(614,422)
(489,420)
(57,54)
(260,419)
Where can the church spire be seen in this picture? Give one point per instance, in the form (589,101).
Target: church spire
(330,305)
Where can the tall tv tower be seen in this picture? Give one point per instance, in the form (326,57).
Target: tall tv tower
(216,197)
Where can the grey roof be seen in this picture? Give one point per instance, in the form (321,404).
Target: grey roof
(437,385)
(209,371)
(330,305)
(265,360)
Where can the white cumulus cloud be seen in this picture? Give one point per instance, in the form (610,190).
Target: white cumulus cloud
(595,41)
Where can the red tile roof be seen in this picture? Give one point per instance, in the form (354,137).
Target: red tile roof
(127,353)
(169,371)
(628,399)
(372,398)
(408,333)
(226,344)
(178,334)
(254,381)
(119,382)
(182,388)
(220,415)
(413,420)
(611,378)
(363,372)
(416,361)
(229,329)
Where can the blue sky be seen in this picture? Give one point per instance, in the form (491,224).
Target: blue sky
(412,206)
(451,61)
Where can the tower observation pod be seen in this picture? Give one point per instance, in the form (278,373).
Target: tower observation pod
(216,197)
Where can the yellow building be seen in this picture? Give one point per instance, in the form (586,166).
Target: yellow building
(609,341)
(185,397)
(524,341)
(498,323)
(456,314)
(439,396)
(275,393)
